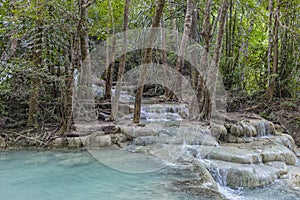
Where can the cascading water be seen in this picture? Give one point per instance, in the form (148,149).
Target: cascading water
(219,174)
(163,112)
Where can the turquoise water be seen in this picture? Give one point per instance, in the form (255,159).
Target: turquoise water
(72,175)
(45,175)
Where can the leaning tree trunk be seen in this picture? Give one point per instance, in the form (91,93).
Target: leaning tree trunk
(182,49)
(146,60)
(213,71)
(115,103)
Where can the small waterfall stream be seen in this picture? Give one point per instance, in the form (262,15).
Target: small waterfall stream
(164,112)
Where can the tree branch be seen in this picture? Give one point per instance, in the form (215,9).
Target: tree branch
(88,4)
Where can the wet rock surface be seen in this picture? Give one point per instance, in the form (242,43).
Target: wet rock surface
(192,188)
(255,152)
(241,175)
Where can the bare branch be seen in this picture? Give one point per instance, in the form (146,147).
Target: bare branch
(286,27)
(88,4)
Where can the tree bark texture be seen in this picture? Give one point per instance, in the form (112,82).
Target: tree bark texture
(146,60)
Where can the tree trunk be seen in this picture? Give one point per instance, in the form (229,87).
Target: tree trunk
(170,95)
(35,80)
(146,60)
(182,49)
(273,78)
(268,95)
(33,102)
(86,69)
(115,104)
(111,56)
(80,59)
(230,44)
(67,94)
(164,57)
(203,97)
(207,88)
(214,66)
(194,54)
(109,66)
(85,99)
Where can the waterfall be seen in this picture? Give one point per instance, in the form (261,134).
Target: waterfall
(220,175)
(164,112)
(264,129)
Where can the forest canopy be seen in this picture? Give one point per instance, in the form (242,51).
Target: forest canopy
(255,44)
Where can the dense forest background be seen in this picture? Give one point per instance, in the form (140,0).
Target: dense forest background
(255,44)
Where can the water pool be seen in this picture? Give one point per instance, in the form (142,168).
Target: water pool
(72,175)
(43,175)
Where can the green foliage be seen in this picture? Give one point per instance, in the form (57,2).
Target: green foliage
(18,66)
(288,104)
(243,62)
(100,18)
(141,13)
